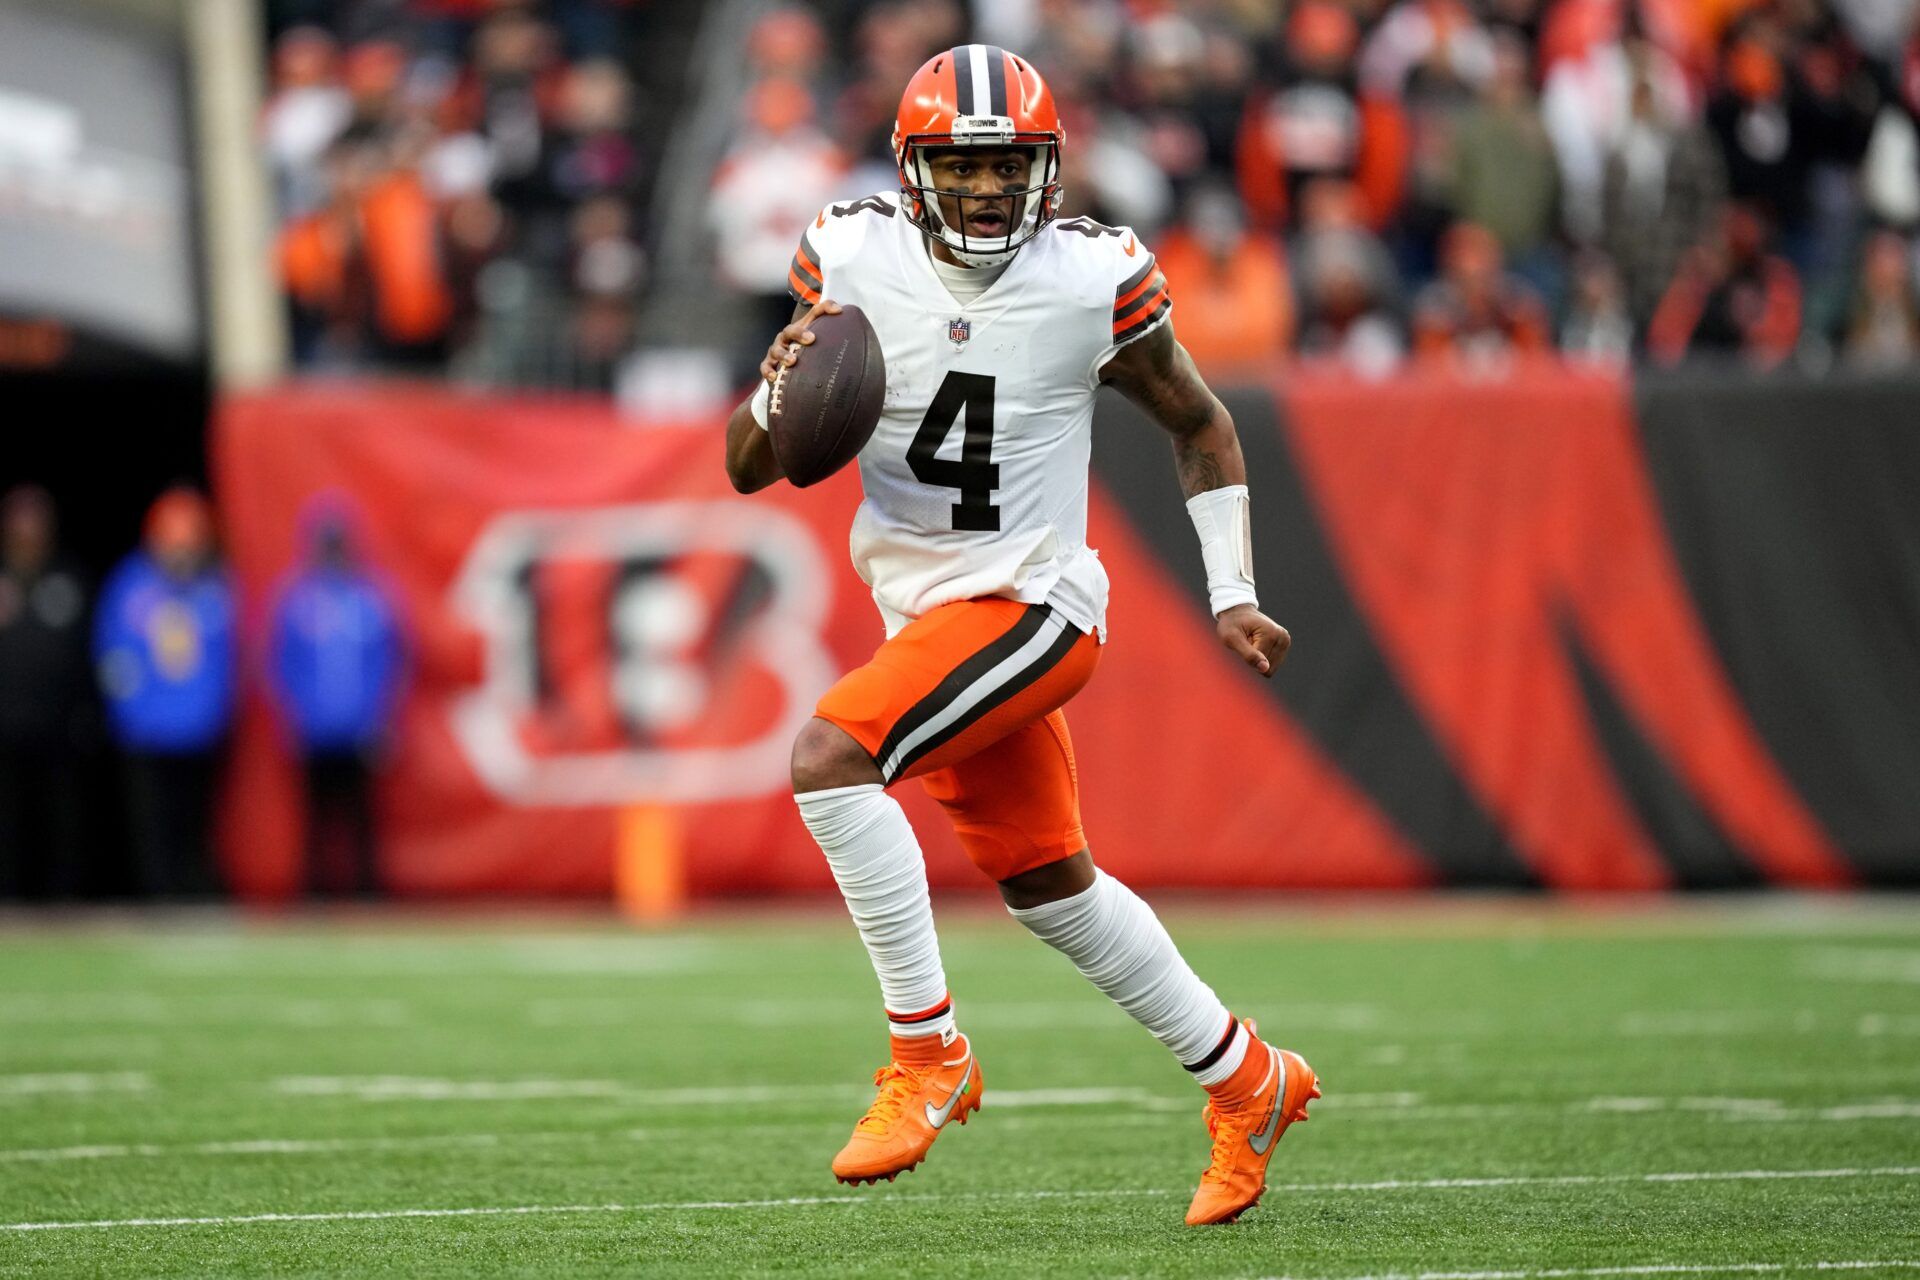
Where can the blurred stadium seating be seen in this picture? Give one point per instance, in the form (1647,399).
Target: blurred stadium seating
(1436,178)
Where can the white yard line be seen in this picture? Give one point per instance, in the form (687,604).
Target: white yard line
(1596,1179)
(659,1206)
(287,1146)
(666,1206)
(489,1141)
(1154,1110)
(434,1089)
(71,1082)
(1648,1269)
(89,1010)
(614,954)
(1387,1106)
(1862,964)
(1391,1106)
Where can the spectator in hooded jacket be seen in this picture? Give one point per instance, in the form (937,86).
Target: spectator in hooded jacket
(335,665)
(164,649)
(43,702)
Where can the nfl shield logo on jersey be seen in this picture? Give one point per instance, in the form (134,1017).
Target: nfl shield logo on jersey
(958,331)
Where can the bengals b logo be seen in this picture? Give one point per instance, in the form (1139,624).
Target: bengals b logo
(662,653)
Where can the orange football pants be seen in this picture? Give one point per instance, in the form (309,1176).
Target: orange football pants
(967,698)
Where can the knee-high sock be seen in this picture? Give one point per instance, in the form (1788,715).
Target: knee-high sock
(1120,945)
(877,862)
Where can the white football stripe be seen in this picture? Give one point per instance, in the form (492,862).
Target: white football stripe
(971,696)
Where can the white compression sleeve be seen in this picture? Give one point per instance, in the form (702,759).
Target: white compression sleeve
(1116,941)
(878,865)
(1223,519)
(758,406)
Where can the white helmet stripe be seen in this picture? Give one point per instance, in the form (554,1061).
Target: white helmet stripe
(982,84)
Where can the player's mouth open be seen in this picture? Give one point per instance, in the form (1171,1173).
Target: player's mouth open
(987,222)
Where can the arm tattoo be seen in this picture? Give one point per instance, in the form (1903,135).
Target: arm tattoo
(1157,374)
(1199,468)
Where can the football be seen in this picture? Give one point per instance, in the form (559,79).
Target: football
(824,408)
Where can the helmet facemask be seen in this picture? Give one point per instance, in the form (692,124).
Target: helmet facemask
(1034,205)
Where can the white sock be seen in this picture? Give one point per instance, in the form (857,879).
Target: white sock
(1120,945)
(882,875)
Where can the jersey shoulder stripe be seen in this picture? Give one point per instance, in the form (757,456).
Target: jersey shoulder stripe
(804,279)
(1139,301)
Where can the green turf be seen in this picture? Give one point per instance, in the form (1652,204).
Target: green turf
(414,1065)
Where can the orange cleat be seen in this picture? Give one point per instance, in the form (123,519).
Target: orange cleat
(1246,1129)
(914,1103)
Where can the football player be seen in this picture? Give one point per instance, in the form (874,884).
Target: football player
(999,322)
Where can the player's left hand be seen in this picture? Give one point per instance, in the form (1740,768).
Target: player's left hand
(1258,639)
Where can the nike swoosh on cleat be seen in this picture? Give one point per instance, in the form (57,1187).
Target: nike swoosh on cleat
(1259,1142)
(1264,1139)
(939,1117)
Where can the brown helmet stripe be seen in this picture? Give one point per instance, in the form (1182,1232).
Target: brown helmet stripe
(996,78)
(960,56)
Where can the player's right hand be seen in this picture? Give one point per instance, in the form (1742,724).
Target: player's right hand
(1260,642)
(786,347)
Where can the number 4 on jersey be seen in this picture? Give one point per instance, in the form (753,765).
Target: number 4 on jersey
(975,475)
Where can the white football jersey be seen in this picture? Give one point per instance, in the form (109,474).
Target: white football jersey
(976,477)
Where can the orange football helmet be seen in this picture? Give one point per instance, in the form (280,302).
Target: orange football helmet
(978,95)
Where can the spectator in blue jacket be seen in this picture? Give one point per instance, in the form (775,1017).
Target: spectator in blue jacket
(335,666)
(164,648)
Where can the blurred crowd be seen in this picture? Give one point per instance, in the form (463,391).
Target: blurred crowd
(1374,181)
(116,707)
(1367,182)
(461,182)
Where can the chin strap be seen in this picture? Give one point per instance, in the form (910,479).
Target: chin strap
(1224,520)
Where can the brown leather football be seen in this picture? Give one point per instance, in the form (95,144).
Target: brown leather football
(823,410)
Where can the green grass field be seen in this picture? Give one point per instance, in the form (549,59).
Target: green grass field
(1513,1090)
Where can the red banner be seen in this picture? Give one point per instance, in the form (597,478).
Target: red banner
(598,622)
(1503,674)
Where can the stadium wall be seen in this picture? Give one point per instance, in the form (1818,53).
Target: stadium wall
(1555,630)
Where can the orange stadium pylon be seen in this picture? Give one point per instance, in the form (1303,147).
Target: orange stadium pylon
(649,864)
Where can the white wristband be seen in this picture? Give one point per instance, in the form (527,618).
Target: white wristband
(762,398)
(1223,519)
